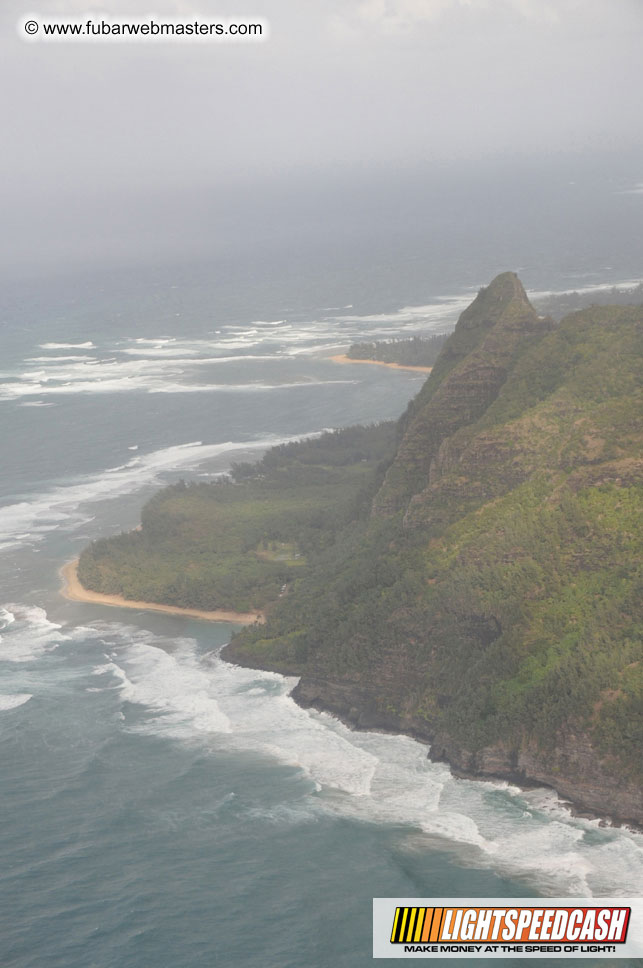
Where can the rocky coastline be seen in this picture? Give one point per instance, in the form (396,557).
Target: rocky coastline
(573,770)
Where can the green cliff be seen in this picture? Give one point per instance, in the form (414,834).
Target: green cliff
(471,576)
(492,604)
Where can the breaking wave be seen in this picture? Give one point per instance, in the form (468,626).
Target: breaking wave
(29,521)
(26,634)
(371,777)
(13,701)
(67,346)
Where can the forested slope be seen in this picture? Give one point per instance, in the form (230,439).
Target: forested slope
(493,604)
(471,576)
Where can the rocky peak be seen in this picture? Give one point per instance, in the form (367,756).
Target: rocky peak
(489,336)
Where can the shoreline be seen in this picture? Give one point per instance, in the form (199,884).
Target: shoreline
(342,358)
(355,710)
(347,712)
(568,798)
(350,713)
(74,591)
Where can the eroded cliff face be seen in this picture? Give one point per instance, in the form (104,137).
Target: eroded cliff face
(489,337)
(592,783)
(491,606)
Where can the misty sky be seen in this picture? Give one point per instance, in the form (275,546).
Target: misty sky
(111,141)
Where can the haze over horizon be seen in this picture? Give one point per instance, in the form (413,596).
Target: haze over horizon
(121,152)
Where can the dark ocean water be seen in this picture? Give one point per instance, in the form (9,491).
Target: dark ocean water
(162,808)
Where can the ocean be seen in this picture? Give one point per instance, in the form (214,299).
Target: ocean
(162,807)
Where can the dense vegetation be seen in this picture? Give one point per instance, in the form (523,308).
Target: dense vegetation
(472,575)
(561,304)
(499,600)
(414,351)
(235,543)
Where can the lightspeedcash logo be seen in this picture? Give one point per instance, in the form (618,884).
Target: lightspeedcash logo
(514,925)
(506,927)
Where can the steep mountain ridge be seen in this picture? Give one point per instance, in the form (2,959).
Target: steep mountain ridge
(472,577)
(489,337)
(491,605)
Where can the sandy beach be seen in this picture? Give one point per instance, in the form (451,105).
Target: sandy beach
(393,366)
(75,592)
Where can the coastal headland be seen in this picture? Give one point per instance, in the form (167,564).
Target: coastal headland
(467,576)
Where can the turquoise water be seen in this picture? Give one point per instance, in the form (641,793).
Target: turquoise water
(163,808)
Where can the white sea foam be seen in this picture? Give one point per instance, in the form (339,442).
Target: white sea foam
(29,520)
(6,618)
(177,693)
(68,346)
(636,190)
(59,359)
(188,355)
(117,374)
(29,634)
(174,365)
(599,287)
(36,403)
(14,700)
(446,310)
(154,340)
(189,699)
(369,776)
(162,351)
(250,387)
